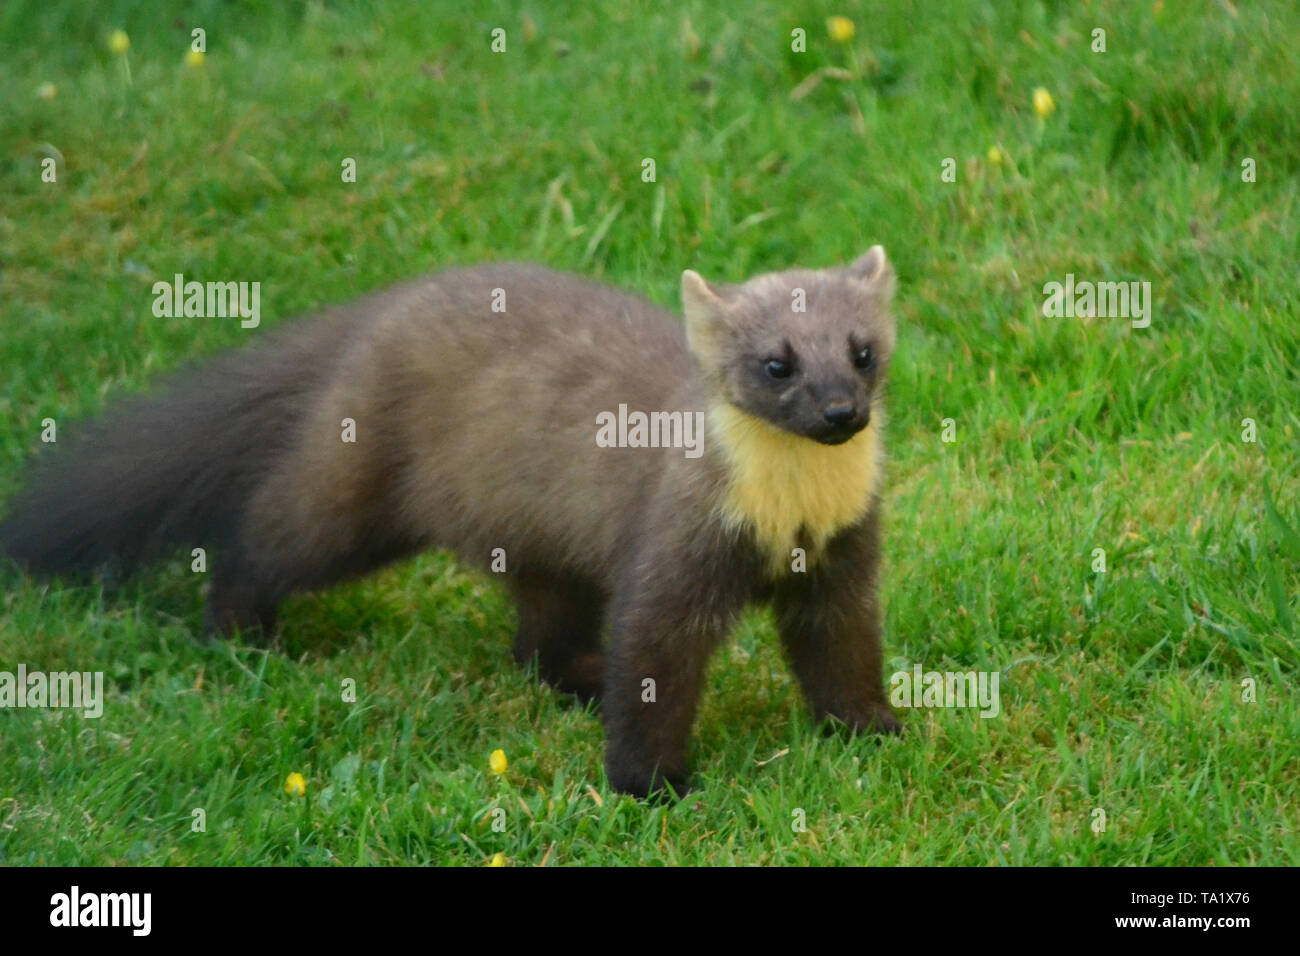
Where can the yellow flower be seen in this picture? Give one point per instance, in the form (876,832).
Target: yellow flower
(294,785)
(1044,106)
(498,761)
(47,91)
(841,29)
(194,58)
(119,42)
(498,859)
(996,155)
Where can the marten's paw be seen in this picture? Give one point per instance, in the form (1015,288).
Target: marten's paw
(654,786)
(583,677)
(875,719)
(225,620)
(582,674)
(883,721)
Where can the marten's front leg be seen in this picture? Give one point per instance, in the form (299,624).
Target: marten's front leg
(829,619)
(676,605)
(559,631)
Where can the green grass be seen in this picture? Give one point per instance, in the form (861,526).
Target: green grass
(1120,691)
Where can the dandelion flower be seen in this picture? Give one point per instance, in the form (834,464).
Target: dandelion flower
(295,785)
(119,42)
(995,155)
(498,761)
(194,59)
(1044,105)
(498,859)
(841,29)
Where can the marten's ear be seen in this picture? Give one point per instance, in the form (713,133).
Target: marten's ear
(697,295)
(872,269)
(705,315)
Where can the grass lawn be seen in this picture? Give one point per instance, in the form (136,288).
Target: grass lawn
(1122,690)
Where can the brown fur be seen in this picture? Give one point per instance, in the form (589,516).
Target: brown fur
(476,431)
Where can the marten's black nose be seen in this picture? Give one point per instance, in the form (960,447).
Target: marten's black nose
(839,413)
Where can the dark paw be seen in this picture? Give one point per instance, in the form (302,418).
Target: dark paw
(652,785)
(257,627)
(877,719)
(884,721)
(583,677)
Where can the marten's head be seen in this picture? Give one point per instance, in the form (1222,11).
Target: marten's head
(804,350)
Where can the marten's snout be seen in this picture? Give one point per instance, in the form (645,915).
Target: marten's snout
(840,412)
(843,418)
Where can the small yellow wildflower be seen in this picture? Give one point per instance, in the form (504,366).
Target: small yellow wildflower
(194,59)
(498,761)
(119,42)
(295,785)
(841,29)
(498,859)
(47,91)
(1044,105)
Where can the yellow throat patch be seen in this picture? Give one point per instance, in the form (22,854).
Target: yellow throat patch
(780,484)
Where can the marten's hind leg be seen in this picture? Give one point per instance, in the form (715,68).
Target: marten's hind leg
(241,598)
(559,629)
(321,516)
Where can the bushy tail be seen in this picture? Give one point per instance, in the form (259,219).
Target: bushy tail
(168,470)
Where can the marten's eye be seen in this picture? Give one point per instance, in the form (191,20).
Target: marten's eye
(864,358)
(778,368)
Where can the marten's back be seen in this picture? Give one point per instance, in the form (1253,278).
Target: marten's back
(476,429)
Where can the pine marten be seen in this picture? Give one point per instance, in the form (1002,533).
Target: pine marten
(635,479)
